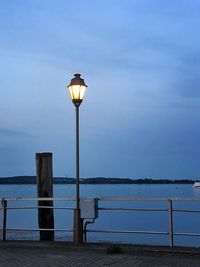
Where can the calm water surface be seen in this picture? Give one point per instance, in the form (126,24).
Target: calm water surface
(115,220)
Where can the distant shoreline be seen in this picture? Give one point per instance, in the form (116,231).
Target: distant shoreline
(95,180)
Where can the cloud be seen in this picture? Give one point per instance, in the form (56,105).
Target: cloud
(190,87)
(187,75)
(6,149)
(12,132)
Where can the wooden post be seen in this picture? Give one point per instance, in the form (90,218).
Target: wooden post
(170,222)
(4,218)
(45,189)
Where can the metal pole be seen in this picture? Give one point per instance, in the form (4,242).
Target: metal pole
(78,222)
(77,159)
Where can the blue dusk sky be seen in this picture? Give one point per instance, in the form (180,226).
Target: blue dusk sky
(141,60)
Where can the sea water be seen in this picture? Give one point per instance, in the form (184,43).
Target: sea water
(112,220)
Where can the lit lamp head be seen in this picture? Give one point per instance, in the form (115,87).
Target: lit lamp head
(77,88)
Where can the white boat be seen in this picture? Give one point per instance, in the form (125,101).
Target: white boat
(196,185)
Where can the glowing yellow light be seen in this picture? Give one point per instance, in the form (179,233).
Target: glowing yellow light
(77,92)
(77,88)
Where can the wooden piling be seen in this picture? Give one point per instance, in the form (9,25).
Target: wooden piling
(45,189)
(4,218)
(170,223)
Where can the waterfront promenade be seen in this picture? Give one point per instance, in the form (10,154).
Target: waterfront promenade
(35,253)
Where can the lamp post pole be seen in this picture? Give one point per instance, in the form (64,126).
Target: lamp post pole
(77,160)
(78,223)
(77,89)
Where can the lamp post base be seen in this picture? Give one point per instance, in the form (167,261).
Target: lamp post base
(78,227)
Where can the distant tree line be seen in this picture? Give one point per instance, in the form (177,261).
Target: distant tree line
(95,180)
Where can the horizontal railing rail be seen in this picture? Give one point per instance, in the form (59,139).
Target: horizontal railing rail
(135,209)
(38,199)
(38,229)
(127,232)
(148,199)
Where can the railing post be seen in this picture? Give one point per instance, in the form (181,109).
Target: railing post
(4,218)
(170,223)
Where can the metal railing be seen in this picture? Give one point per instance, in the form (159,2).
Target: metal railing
(6,207)
(170,232)
(169,210)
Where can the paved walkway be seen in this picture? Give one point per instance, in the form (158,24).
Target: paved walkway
(46,254)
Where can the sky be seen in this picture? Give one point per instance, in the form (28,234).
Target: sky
(141,62)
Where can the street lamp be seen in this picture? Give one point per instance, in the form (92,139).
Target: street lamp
(77,88)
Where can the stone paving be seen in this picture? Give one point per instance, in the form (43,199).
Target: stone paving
(47,254)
